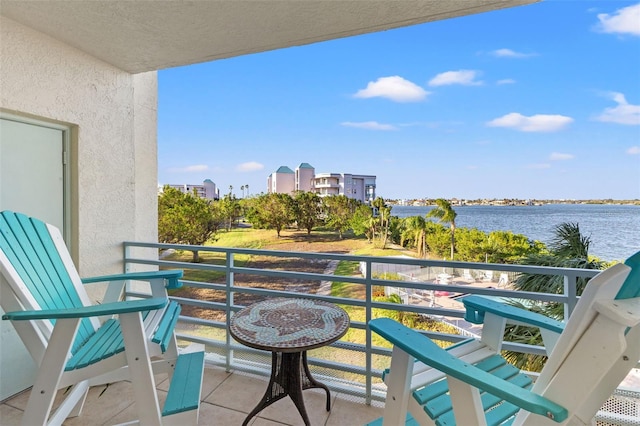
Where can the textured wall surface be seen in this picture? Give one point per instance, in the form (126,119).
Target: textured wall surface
(113,118)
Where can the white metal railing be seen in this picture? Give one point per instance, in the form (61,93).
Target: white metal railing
(354,373)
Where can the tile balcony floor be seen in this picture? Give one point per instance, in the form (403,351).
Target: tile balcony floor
(227,398)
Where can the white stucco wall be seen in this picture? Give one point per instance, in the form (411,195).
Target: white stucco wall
(114,150)
(305,176)
(284,183)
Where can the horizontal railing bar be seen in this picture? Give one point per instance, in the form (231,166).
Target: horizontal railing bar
(195,339)
(200,321)
(207,285)
(295,275)
(199,303)
(546,270)
(177,265)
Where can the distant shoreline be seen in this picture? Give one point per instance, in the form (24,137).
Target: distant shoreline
(455,202)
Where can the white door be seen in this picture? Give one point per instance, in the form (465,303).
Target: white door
(32,181)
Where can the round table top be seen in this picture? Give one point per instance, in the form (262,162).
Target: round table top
(289,325)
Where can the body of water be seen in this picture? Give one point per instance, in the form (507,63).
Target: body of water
(614,229)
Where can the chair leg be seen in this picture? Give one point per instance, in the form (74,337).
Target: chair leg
(49,373)
(77,394)
(137,354)
(395,407)
(77,410)
(466,402)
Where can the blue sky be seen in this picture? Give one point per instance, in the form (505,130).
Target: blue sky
(539,101)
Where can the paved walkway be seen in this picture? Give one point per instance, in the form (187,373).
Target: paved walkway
(325,286)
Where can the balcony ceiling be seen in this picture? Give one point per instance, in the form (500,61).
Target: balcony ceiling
(139,36)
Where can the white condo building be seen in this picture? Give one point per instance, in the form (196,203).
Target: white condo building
(285,180)
(359,187)
(207,190)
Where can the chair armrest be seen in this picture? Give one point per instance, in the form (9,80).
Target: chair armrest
(89,311)
(477,306)
(172,276)
(424,350)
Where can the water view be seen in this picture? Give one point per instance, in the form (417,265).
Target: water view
(614,229)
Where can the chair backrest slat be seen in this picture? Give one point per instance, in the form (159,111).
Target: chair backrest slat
(18,250)
(31,251)
(631,286)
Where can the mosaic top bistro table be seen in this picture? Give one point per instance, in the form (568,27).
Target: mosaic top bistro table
(289,328)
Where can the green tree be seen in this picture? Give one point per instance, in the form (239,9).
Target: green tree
(274,211)
(473,245)
(230,209)
(362,222)
(308,207)
(438,239)
(184,219)
(252,211)
(218,216)
(338,211)
(446,214)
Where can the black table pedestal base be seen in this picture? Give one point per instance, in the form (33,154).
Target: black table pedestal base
(289,376)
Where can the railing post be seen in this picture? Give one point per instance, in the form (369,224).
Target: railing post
(368,357)
(126,251)
(229,304)
(571,292)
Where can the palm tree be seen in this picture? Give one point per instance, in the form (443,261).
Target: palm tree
(247,188)
(445,213)
(242,189)
(230,189)
(384,216)
(415,229)
(568,249)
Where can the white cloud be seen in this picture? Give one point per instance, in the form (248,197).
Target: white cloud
(539,166)
(190,169)
(534,123)
(624,113)
(369,125)
(463,77)
(622,21)
(394,88)
(558,156)
(506,81)
(250,166)
(508,53)
(634,150)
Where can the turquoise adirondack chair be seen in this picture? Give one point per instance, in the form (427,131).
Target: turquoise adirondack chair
(471,384)
(77,344)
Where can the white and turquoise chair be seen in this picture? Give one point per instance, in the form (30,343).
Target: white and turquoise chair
(471,384)
(76,344)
